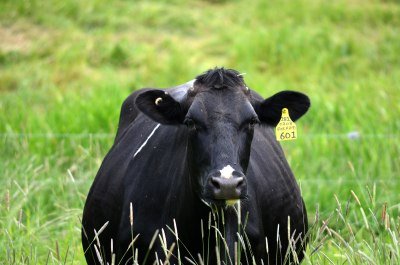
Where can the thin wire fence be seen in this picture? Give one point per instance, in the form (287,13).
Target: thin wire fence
(58,135)
(338,182)
(350,135)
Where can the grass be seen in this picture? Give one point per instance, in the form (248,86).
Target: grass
(65,68)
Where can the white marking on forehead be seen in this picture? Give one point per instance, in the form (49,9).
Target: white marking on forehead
(226,172)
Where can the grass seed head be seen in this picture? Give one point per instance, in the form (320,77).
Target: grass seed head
(355,197)
(20,218)
(98,255)
(131,214)
(7,200)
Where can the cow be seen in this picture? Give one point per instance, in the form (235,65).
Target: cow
(200,165)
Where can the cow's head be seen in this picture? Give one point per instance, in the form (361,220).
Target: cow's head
(220,114)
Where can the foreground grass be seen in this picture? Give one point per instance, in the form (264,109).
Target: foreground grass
(65,68)
(352,221)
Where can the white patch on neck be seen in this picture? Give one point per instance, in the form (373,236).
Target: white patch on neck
(226,172)
(145,142)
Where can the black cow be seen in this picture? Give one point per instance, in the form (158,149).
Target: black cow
(207,146)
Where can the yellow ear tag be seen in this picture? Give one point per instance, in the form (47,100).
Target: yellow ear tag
(286,128)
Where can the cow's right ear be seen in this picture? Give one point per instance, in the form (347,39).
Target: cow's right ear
(159,106)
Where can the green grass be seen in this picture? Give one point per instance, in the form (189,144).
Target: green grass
(66,66)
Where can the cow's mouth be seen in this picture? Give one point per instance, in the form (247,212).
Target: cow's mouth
(218,203)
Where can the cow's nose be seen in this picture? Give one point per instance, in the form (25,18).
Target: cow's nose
(227,188)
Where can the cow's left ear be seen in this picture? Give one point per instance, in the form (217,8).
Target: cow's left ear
(269,111)
(159,106)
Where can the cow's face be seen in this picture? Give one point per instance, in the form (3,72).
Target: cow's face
(220,115)
(220,125)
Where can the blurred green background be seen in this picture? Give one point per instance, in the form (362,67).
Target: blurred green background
(66,66)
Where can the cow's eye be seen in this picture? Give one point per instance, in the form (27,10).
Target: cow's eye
(253,121)
(190,123)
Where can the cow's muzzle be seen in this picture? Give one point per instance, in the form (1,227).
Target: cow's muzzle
(227,188)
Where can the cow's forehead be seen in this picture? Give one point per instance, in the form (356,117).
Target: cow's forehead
(228,98)
(225,102)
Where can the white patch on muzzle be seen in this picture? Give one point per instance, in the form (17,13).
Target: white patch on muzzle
(226,172)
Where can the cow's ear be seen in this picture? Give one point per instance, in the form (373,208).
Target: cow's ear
(269,111)
(160,107)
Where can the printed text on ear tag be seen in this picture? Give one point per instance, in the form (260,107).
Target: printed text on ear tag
(286,128)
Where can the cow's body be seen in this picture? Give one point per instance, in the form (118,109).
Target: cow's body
(148,167)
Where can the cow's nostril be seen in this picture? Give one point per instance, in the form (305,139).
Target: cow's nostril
(240,182)
(215,183)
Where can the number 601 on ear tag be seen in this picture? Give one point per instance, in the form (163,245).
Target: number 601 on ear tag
(286,128)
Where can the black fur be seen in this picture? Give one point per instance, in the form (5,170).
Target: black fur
(220,78)
(169,178)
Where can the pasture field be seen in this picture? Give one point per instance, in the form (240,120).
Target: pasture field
(66,66)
